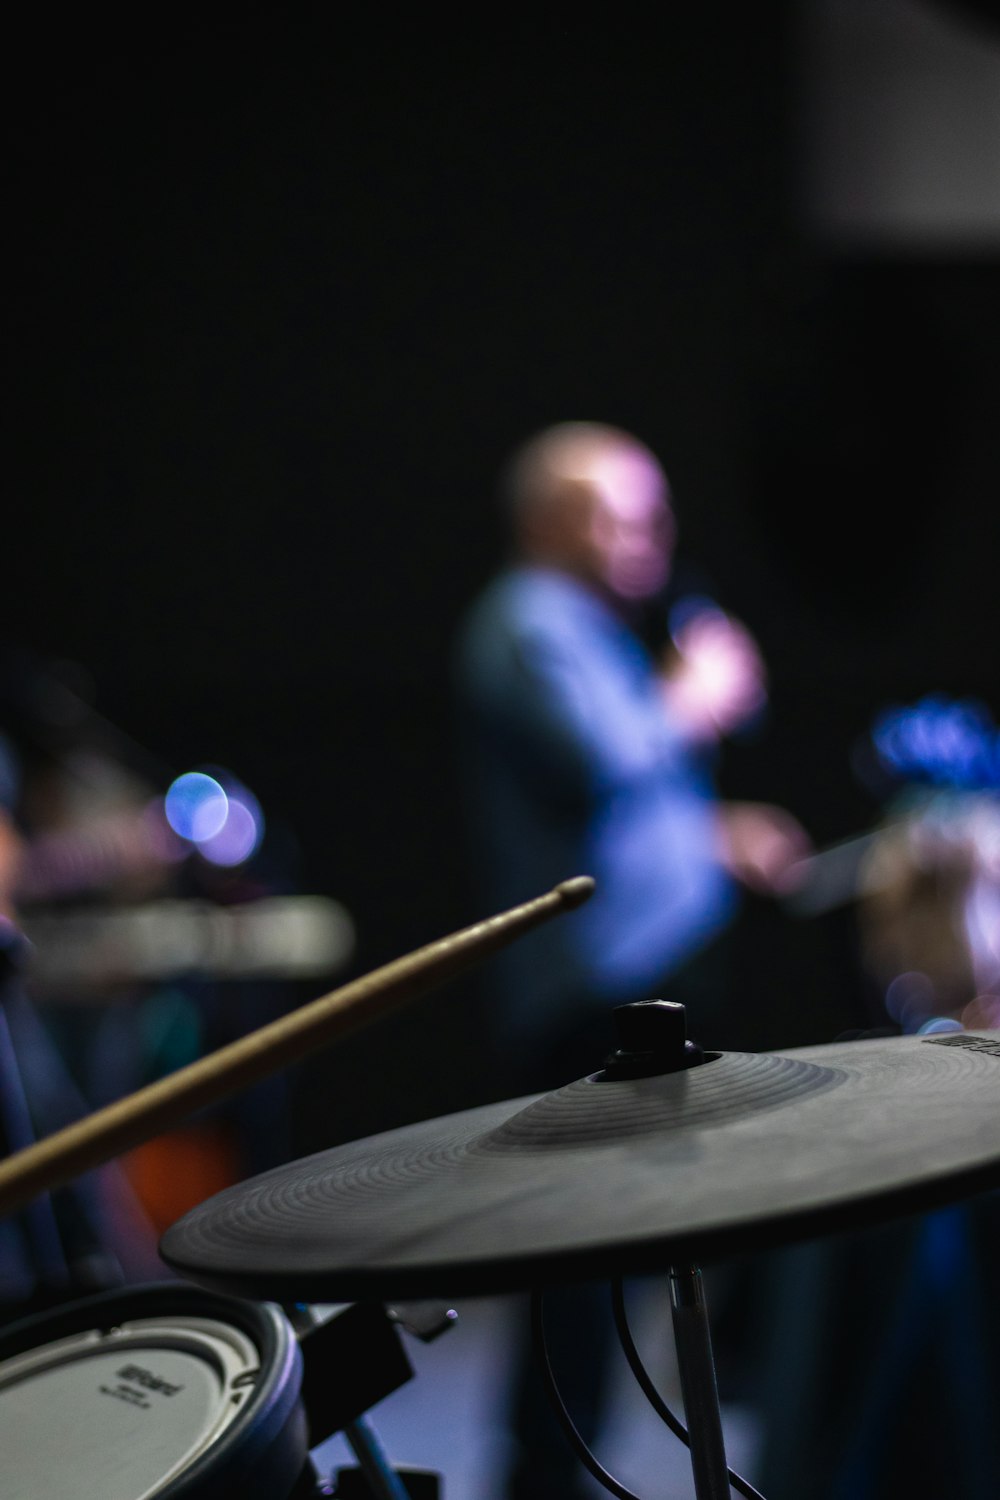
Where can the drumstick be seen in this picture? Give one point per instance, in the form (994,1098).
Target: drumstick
(161,1105)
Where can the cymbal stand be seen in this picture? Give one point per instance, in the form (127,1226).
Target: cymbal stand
(652,1040)
(696,1367)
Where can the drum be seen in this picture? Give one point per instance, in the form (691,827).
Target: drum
(164,1390)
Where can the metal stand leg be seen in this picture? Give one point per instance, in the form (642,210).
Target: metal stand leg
(383,1481)
(374,1461)
(696,1367)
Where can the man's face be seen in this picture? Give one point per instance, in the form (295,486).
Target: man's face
(624,522)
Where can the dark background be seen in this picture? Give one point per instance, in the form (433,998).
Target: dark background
(285,290)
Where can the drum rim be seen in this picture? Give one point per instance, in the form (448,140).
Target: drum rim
(266,1438)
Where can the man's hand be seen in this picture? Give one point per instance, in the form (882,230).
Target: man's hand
(714,676)
(762,846)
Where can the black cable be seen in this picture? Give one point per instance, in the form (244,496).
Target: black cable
(577,1443)
(652,1395)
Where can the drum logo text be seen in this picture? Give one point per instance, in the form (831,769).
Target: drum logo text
(148,1380)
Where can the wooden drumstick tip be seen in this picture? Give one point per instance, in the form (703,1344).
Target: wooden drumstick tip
(576,891)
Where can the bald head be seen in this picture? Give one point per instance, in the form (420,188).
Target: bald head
(592,501)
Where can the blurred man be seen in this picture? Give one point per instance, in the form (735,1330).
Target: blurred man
(585,755)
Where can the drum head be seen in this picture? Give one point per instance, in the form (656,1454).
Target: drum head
(157,1391)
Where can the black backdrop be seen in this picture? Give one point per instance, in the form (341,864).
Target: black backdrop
(284,292)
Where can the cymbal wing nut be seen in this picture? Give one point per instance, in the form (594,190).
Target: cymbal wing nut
(652,1039)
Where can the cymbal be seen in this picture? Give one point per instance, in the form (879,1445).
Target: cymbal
(602,1176)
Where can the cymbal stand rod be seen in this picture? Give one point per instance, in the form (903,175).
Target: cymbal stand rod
(696,1367)
(383,1481)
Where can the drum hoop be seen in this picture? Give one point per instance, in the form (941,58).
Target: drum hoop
(266,1439)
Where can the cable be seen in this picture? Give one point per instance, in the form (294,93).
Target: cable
(652,1395)
(579,1447)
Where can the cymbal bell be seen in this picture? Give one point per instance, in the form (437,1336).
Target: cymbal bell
(609,1176)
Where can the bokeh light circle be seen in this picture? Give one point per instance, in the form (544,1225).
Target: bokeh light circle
(239,836)
(196,806)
